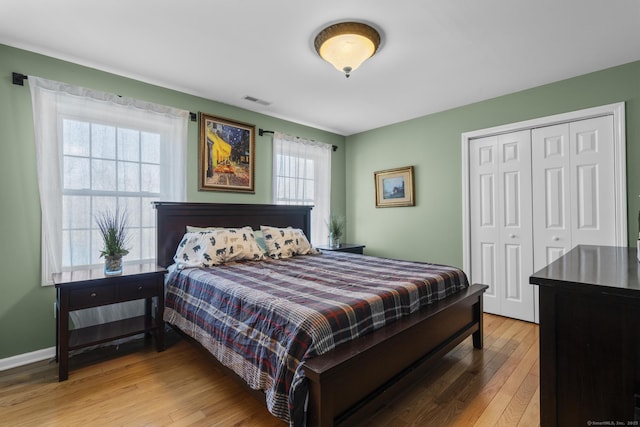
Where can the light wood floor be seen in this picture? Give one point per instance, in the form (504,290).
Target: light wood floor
(136,386)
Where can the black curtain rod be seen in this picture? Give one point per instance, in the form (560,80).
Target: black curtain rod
(261,132)
(18,79)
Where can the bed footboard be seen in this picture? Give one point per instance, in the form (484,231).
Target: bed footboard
(357,377)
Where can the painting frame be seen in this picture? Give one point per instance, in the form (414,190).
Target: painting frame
(226,155)
(395,187)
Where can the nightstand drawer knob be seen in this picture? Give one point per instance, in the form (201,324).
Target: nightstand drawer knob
(93,295)
(140,287)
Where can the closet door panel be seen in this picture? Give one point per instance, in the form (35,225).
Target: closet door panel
(554,199)
(483,168)
(551,186)
(516,254)
(593,204)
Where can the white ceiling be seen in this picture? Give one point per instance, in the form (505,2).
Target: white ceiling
(435,54)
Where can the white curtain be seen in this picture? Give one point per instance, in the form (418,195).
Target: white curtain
(54,101)
(302,176)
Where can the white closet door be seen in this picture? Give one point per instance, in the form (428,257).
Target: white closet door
(516,232)
(500,215)
(551,157)
(577,195)
(573,187)
(485,238)
(592,168)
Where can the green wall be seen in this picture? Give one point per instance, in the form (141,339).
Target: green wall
(432,230)
(26,308)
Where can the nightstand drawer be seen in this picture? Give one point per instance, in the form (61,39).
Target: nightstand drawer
(91,296)
(138,289)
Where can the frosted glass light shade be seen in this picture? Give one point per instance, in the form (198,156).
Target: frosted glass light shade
(347,45)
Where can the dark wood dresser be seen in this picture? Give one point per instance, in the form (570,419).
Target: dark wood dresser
(590,337)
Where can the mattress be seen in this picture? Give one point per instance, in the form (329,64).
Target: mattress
(263,319)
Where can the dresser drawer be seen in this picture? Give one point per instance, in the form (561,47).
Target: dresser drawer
(138,289)
(91,296)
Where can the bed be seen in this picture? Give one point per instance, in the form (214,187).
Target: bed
(356,377)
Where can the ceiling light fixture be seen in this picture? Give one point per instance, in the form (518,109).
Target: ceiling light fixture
(346,45)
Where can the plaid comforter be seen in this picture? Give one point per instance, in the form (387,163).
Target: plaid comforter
(263,319)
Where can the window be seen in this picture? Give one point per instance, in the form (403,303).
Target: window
(302,176)
(97,152)
(106,167)
(295,180)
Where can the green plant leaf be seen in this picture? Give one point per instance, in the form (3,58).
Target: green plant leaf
(115,235)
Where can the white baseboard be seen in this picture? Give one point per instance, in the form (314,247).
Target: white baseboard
(26,358)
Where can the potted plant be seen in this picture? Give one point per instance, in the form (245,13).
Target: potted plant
(113,228)
(336,229)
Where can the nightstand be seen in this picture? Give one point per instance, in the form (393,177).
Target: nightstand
(344,247)
(87,288)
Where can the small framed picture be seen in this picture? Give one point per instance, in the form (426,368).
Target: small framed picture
(226,155)
(394,187)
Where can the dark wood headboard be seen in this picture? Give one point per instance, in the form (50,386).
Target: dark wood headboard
(172,219)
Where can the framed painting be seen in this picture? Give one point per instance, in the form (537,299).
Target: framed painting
(227,155)
(394,187)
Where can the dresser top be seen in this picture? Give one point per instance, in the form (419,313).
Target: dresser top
(604,269)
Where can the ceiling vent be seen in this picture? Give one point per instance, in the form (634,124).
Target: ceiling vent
(256,100)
